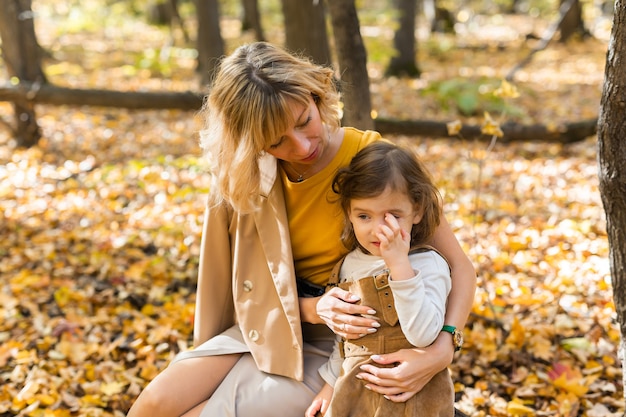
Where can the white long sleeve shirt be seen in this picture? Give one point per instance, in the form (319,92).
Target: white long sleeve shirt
(420,301)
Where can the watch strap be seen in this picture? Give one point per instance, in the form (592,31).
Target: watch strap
(457,336)
(448,328)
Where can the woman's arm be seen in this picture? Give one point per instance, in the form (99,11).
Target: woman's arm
(461,297)
(214,311)
(417,366)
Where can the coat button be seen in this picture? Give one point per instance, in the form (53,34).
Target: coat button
(253,335)
(247,285)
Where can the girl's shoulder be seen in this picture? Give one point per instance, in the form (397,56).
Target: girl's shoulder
(428,255)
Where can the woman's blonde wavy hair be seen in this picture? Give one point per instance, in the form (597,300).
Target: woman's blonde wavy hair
(249,106)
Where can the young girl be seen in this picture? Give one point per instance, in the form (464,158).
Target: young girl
(392,209)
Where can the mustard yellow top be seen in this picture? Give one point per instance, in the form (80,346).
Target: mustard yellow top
(315,217)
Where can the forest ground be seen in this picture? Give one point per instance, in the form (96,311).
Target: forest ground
(100,224)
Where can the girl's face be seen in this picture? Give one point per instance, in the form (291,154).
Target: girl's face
(367,216)
(303,143)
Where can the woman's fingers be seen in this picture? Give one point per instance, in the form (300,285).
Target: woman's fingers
(412,369)
(355,331)
(338,310)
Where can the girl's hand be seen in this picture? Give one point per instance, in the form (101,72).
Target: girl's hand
(414,369)
(395,243)
(339,311)
(393,239)
(320,403)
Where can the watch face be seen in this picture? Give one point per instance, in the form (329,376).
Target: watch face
(458,339)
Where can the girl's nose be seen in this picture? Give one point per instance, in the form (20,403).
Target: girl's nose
(380,221)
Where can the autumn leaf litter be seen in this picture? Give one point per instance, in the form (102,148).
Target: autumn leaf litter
(99,240)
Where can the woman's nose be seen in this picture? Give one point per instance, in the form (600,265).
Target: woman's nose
(301,144)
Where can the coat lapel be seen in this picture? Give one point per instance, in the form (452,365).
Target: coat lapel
(273,227)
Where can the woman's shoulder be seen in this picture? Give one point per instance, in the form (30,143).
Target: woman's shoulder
(360,138)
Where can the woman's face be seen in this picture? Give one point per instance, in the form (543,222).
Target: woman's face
(303,143)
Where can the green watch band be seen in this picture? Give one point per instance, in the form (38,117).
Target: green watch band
(457,336)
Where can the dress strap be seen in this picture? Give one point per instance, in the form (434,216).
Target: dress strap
(333,281)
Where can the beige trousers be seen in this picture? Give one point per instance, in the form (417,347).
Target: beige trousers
(248,392)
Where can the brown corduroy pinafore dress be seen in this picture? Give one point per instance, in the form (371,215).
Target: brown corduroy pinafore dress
(351,398)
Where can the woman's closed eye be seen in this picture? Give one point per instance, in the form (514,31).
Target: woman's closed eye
(305,123)
(277,144)
(283,139)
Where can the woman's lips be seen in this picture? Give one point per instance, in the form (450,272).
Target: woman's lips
(312,156)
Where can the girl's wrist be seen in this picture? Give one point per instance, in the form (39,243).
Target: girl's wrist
(400,270)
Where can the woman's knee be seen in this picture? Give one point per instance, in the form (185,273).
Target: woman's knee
(151,402)
(158,399)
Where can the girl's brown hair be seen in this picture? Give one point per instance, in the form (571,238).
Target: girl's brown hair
(383,165)
(249,106)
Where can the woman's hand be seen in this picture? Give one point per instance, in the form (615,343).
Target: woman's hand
(413,369)
(339,311)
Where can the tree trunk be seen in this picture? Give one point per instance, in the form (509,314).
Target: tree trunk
(63,96)
(612,162)
(209,42)
(572,22)
(404,61)
(192,101)
(22,57)
(251,19)
(513,132)
(305,29)
(352,59)
(440,19)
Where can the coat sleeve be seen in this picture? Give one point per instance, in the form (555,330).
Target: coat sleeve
(214,301)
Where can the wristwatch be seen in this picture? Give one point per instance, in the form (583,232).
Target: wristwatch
(457,336)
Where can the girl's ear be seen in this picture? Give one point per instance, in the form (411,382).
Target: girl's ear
(417,216)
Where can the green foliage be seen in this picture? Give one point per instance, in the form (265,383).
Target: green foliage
(158,61)
(470,97)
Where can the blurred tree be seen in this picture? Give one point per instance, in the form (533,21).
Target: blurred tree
(251,19)
(209,42)
(404,61)
(22,56)
(352,59)
(572,20)
(612,162)
(305,29)
(165,12)
(440,19)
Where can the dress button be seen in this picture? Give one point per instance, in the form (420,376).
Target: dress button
(247,285)
(253,335)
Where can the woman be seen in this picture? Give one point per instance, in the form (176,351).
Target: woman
(273,136)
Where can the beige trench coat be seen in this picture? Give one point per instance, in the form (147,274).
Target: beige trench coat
(246,271)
